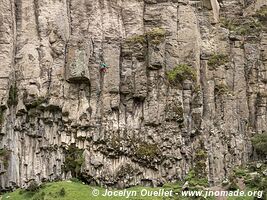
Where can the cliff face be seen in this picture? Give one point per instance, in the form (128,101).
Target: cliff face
(143,121)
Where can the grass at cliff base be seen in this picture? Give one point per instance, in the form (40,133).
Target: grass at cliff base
(72,191)
(79,191)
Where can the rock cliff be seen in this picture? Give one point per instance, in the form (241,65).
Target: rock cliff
(186,87)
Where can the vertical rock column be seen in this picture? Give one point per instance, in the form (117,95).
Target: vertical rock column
(8,167)
(7,42)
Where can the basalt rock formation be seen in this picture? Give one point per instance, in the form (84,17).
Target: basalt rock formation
(185,88)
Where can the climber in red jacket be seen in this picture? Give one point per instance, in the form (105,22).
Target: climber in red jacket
(103,67)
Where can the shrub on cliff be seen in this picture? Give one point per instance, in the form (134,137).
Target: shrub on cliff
(181,73)
(259,142)
(154,36)
(147,151)
(73,160)
(250,26)
(217,60)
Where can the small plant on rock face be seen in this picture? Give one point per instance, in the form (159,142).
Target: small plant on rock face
(156,35)
(181,73)
(221,89)
(197,176)
(228,24)
(4,156)
(200,162)
(250,28)
(136,39)
(217,60)
(147,151)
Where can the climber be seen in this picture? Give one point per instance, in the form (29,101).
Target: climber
(103,67)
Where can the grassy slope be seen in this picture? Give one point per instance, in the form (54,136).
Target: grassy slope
(74,191)
(79,191)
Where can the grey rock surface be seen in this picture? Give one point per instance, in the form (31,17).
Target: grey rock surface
(133,125)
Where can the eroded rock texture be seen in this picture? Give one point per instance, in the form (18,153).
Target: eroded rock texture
(134,126)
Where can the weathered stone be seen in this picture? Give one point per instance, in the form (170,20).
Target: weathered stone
(77,61)
(131,123)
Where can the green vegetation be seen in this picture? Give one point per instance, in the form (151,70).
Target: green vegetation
(259,142)
(249,27)
(252,176)
(13,96)
(136,39)
(4,156)
(261,14)
(155,36)
(200,163)
(62,192)
(73,160)
(240,172)
(76,190)
(198,176)
(181,73)
(195,180)
(73,191)
(221,89)
(147,151)
(217,60)
(69,190)
(33,187)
